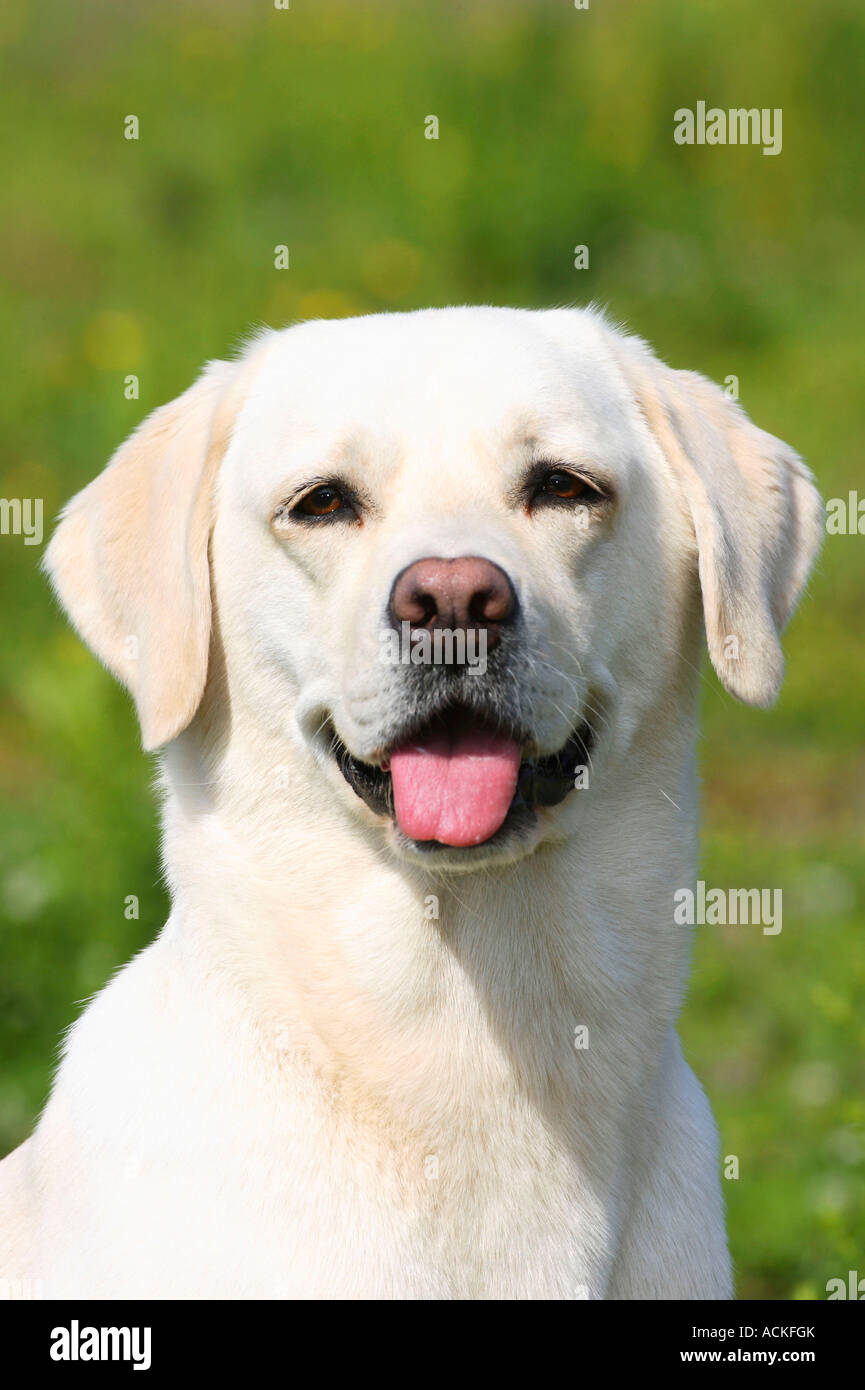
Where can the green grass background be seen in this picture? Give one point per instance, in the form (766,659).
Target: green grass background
(305,127)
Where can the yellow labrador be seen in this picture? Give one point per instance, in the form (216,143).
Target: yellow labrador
(412,606)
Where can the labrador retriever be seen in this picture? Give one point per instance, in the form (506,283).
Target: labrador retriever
(410,1029)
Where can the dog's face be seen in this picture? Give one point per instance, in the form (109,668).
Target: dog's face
(453,556)
(442,539)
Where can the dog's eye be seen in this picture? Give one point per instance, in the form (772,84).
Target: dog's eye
(548,486)
(567,486)
(326,500)
(322,503)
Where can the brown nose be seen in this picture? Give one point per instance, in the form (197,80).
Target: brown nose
(468,592)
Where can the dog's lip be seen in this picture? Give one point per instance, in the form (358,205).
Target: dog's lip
(542,781)
(415,730)
(450,714)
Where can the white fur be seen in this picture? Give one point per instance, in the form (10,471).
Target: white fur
(259,1103)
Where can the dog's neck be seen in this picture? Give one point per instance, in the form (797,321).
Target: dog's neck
(385,978)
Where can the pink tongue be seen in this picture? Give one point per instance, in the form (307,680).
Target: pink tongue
(455,784)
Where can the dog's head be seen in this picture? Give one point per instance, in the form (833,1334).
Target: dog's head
(454,557)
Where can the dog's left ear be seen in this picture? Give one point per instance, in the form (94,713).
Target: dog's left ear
(129,559)
(758,519)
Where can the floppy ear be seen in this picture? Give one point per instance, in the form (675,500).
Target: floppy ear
(758,519)
(129,559)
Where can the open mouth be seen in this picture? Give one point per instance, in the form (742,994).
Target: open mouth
(458,779)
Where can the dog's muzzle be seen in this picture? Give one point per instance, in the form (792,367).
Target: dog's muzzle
(461,780)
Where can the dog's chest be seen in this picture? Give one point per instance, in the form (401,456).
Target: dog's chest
(243,1199)
(230,1176)
(502,1211)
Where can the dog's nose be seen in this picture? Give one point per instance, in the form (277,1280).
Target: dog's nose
(468,592)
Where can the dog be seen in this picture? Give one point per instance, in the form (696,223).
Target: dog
(410,1029)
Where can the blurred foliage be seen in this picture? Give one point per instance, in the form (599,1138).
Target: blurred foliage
(306,127)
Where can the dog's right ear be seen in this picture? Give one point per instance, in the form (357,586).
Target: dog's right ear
(129,559)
